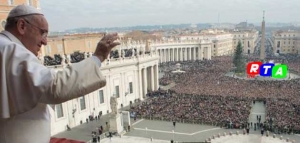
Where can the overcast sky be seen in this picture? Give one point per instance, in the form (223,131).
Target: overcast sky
(69,14)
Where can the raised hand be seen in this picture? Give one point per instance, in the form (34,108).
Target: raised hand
(105,45)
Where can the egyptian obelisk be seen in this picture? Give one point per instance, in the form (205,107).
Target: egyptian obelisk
(262,45)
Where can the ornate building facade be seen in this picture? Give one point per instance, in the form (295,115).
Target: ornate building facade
(128,78)
(248,38)
(213,44)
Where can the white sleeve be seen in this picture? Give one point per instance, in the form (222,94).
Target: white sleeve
(25,81)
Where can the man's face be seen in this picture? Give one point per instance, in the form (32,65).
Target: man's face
(35,34)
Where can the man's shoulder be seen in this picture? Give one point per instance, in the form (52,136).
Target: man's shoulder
(9,40)
(10,49)
(4,40)
(7,46)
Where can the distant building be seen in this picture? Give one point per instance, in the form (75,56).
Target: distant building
(224,42)
(222,26)
(248,39)
(221,41)
(241,25)
(286,41)
(67,44)
(244,26)
(7,5)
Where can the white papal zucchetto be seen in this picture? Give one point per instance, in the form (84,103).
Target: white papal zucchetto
(23,10)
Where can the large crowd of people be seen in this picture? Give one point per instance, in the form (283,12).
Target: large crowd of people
(206,109)
(203,94)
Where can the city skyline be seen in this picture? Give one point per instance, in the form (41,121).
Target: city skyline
(117,13)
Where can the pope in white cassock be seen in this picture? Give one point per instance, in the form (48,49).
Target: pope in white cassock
(27,86)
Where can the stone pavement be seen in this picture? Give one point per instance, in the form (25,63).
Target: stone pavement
(162,130)
(248,139)
(83,132)
(129,139)
(258,109)
(182,132)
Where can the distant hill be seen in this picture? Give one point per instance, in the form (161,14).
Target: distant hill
(132,28)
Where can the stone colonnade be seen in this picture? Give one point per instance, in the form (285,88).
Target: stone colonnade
(148,79)
(148,76)
(184,54)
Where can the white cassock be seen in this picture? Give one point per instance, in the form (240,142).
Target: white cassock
(27,86)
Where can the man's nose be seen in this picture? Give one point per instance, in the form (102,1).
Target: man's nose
(44,41)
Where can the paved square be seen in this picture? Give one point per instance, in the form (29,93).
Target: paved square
(162,130)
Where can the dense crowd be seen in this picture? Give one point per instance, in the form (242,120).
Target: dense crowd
(57,59)
(293,63)
(205,95)
(213,110)
(164,81)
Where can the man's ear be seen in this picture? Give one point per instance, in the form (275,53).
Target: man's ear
(21,26)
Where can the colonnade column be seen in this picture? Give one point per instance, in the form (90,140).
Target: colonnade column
(152,78)
(169,55)
(166,55)
(181,54)
(136,84)
(145,82)
(160,55)
(195,50)
(205,52)
(200,53)
(190,53)
(209,53)
(177,58)
(173,53)
(185,54)
(141,84)
(156,77)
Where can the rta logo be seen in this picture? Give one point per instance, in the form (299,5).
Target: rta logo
(266,70)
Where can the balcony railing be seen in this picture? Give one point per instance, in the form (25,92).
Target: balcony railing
(122,60)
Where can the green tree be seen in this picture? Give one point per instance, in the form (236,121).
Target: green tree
(238,59)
